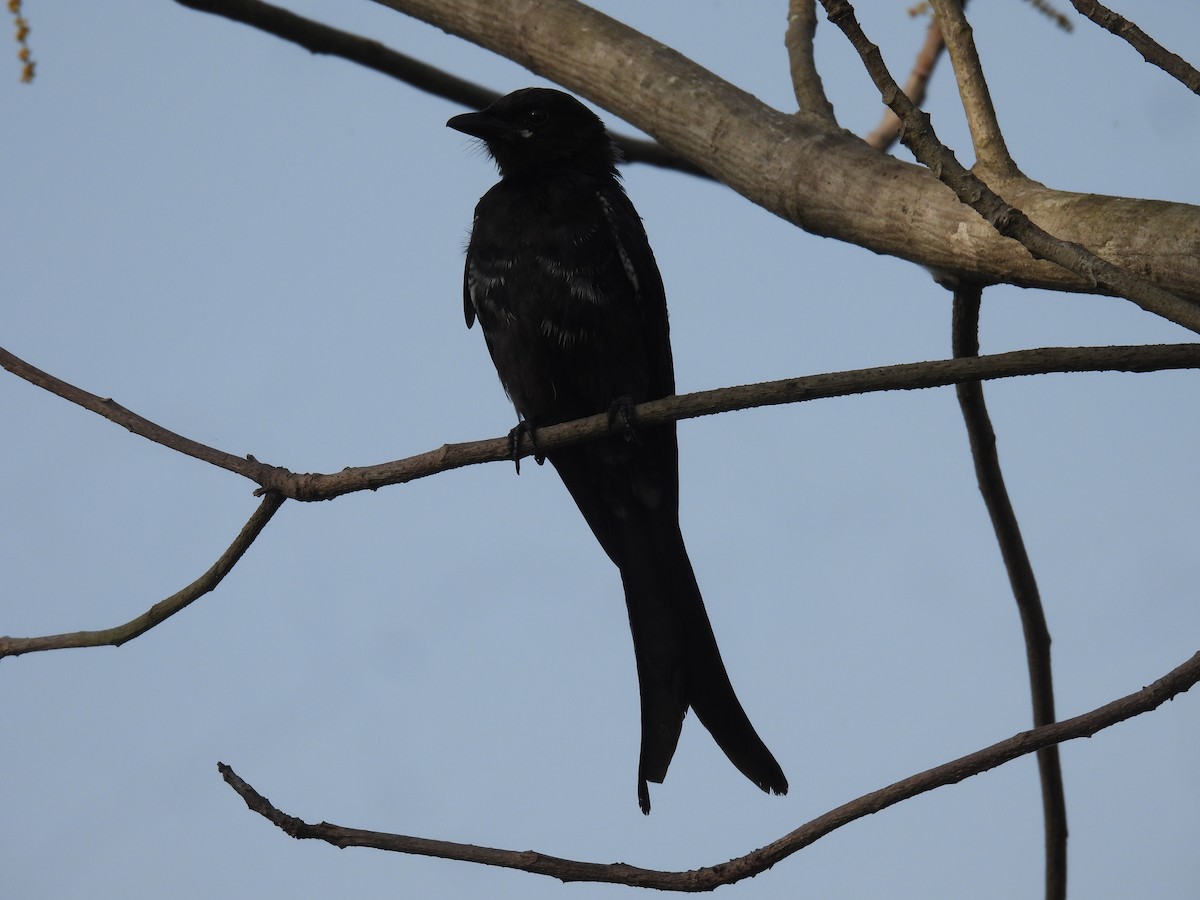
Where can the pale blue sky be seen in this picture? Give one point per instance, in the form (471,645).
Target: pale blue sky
(262,250)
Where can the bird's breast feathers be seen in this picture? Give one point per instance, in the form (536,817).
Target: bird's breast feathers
(554,268)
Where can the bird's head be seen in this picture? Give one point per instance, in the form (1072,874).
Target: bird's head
(533,128)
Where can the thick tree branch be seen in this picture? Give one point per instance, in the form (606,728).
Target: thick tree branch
(1153,52)
(324,39)
(982,438)
(164,609)
(829,183)
(1009,221)
(806,80)
(991,151)
(705,879)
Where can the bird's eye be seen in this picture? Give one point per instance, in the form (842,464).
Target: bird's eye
(536,116)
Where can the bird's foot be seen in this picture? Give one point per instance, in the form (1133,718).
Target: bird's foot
(523,429)
(622,411)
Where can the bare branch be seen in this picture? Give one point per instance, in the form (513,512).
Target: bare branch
(164,609)
(982,438)
(324,39)
(906,376)
(1166,688)
(806,80)
(1152,51)
(1009,221)
(828,183)
(1051,12)
(24,54)
(131,421)
(991,152)
(887,132)
(278,483)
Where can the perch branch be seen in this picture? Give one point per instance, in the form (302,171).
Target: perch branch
(1152,51)
(905,376)
(278,483)
(164,609)
(982,438)
(705,879)
(1009,221)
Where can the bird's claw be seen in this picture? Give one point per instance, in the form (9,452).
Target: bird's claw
(523,428)
(622,410)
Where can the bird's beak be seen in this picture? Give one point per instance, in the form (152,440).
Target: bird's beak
(478,124)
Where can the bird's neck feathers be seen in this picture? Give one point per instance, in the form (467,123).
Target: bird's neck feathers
(598,159)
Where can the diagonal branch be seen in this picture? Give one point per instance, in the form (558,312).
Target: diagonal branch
(982,437)
(1152,51)
(324,39)
(887,132)
(319,38)
(829,183)
(991,151)
(1166,688)
(164,609)
(1009,221)
(131,421)
(806,80)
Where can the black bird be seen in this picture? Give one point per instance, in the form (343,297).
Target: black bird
(565,287)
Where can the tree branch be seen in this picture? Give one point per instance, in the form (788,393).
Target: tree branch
(324,39)
(806,80)
(828,183)
(1153,52)
(887,132)
(905,376)
(278,483)
(982,438)
(164,609)
(1009,221)
(1166,688)
(991,151)
(247,467)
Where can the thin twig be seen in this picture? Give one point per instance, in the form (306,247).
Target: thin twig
(887,132)
(982,438)
(806,80)
(246,466)
(905,376)
(24,54)
(1169,686)
(991,152)
(164,609)
(1152,51)
(324,39)
(1053,13)
(1009,221)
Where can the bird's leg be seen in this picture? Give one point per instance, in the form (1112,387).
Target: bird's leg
(523,428)
(622,409)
